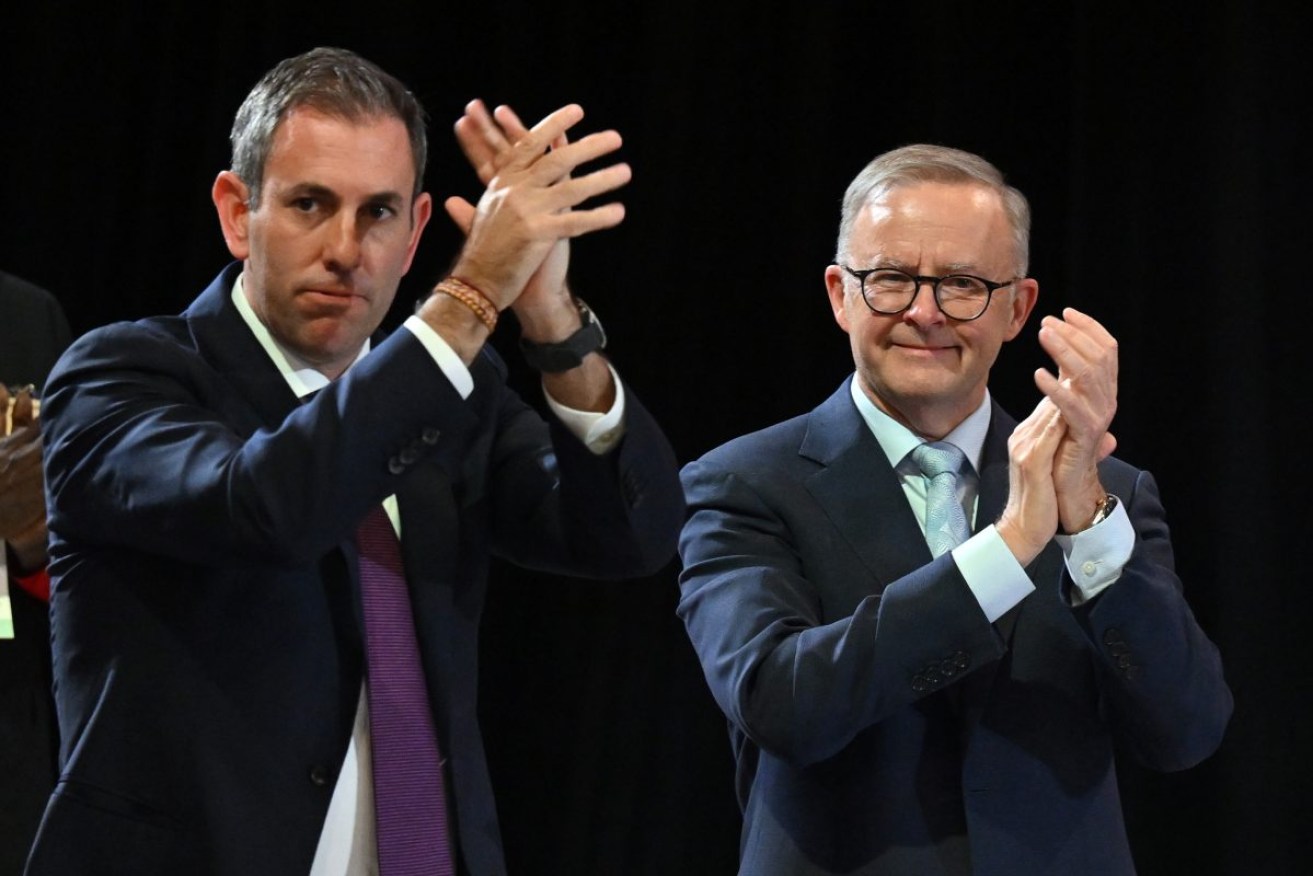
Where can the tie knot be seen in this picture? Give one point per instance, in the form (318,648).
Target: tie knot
(938,457)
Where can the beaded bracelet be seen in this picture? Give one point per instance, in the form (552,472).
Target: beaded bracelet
(472,298)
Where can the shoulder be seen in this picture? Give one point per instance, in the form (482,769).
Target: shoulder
(762,447)
(124,343)
(26,304)
(16,292)
(810,440)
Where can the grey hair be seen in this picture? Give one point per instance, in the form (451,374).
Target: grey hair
(336,82)
(922,163)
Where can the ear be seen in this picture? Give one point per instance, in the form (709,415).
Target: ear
(834,277)
(1024,295)
(420,213)
(230,200)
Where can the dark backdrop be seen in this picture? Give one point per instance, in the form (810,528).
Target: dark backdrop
(1163,155)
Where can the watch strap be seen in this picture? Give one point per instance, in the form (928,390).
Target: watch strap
(569,353)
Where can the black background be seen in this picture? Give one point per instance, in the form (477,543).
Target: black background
(1163,155)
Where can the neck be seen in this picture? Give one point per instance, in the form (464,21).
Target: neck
(930,421)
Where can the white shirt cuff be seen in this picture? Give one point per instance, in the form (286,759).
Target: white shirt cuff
(1096,556)
(995,577)
(599,432)
(443,355)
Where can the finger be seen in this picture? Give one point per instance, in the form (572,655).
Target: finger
(480,138)
(1107,445)
(461,212)
(579,222)
(558,164)
(510,122)
(572,192)
(1079,344)
(24,412)
(1087,324)
(533,144)
(1071,349)
(1082,412)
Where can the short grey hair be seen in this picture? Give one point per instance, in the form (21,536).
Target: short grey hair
(335,82)
(923,163)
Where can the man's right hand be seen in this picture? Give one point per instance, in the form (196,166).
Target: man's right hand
(1030,518)
(529,204)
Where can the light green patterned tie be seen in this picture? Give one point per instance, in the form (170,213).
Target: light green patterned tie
(945,521)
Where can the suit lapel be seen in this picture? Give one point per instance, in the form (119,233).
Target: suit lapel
(856,486)
(225,340)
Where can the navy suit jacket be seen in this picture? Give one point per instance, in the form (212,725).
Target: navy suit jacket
(206,613)
(881,724)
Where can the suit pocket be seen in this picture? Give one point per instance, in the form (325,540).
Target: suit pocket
(88,830)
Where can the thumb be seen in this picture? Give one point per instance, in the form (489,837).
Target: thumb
(461,212)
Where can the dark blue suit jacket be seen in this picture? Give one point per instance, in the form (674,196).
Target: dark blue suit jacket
(207,630)
(881,724)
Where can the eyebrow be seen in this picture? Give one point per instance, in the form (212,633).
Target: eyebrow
(948,269)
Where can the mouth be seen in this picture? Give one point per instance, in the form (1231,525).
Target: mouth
(927,350)
(328,292)
(330,297)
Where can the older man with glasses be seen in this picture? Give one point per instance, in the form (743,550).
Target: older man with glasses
(931,626)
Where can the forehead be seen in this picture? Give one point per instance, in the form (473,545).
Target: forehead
(370,154)
(946,222)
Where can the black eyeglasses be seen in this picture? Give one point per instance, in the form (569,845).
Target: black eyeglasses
(962,297)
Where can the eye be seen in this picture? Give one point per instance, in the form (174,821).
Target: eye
(962,283)
(379,212)
(304,204)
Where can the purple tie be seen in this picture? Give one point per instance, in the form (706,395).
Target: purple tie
(410,806)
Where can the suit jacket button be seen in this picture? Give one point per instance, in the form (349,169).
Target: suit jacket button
(962,660)
(408,455)
(430,436)
(1112,636)
(319,775)
(396,466)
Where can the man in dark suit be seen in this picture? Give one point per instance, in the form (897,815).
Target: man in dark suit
(215,478)
(33,332)
(906,697)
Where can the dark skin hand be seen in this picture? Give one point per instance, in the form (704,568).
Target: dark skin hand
(22,485)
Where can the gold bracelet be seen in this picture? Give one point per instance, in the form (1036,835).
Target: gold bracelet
(472,298)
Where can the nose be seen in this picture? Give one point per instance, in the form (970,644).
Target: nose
(342,244)
(924,309)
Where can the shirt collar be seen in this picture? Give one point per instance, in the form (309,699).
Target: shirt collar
(302,377)
(897,441)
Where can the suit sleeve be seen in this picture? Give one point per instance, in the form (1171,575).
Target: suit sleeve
(1164,690)
(150,447)
(559,507)
(793,663)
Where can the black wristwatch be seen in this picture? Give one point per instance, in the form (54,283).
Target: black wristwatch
(569,353)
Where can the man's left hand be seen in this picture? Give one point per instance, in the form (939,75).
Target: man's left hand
(1085,392)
